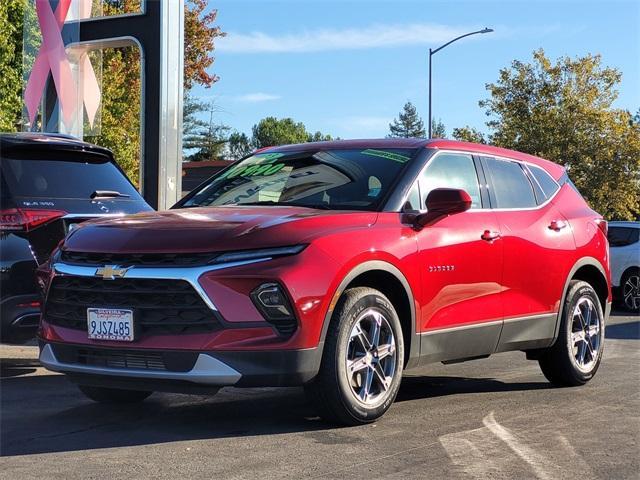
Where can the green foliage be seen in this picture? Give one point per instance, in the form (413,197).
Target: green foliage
(271,131)
(208,139)
(238,146)
(408,124)
(200,33)
(319,137)
(10,63)
(438,130)
(563,111)
(468,134)
(120,113)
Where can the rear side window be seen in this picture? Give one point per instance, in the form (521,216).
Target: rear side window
(547,184)
(451,170)
(622,236)
(44,178)
(511,187)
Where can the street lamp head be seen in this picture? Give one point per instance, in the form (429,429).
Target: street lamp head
(486,30)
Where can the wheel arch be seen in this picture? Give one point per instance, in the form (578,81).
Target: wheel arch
(629,269)
(590,270)
(388,279)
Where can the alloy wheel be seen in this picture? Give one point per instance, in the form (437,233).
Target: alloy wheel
(586,334)
(371,357)
(631,292)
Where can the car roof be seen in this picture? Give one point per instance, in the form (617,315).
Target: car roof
(624,223)
(25,141)
(552,168)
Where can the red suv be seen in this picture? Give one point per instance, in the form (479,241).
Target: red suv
(337,266)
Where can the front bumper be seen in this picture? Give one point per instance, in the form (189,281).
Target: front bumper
(180,371)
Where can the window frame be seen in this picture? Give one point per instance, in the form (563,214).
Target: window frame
(531,171)
(525,169)
(480,178)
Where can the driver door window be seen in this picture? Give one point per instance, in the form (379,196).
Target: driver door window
(451,170)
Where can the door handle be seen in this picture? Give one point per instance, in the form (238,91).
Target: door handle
(557,225)
(490,235)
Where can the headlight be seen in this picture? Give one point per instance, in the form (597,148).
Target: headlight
(260,253)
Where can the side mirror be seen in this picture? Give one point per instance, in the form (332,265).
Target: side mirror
(443,202)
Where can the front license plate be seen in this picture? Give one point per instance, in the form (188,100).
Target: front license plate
(110,324)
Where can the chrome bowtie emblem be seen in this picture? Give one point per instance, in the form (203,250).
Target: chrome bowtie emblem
(111,272)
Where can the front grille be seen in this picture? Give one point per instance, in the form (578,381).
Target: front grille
(138,259)
(160,307)
(125,359)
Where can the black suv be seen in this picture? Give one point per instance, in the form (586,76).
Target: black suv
(49,183)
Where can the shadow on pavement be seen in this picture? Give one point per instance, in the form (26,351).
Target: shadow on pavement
(45,413)
(623,331)
(13,367)
(419,387)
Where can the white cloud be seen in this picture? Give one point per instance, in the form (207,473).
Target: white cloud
(256,97)
(373,36)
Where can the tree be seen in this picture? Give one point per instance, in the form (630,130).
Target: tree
(238,146)
(438,130)
(272,131)
(468,134)
(207,138)
(12,16)
(564,112)
(10,63)
(319,137)
(191,121)
(408,124)
(200,33)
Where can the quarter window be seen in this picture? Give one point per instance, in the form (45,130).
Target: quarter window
(548,185)
(451,170)
(511,187)
(413,200)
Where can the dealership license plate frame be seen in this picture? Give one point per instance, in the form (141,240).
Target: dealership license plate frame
(110,321)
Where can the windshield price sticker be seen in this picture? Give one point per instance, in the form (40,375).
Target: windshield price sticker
(396,157)
(260,165)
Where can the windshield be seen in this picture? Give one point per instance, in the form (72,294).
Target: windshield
(331,179)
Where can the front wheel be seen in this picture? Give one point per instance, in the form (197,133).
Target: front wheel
(362,361)
(575,357)
(113,395)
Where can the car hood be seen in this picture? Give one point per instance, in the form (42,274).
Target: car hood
(212,229)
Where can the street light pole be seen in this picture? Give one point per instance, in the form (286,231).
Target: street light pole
(433,52)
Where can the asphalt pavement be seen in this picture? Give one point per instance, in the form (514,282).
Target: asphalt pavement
(496,418)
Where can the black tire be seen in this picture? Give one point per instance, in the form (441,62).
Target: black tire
(558,362)
(332,391)
(113,395)
(632,275)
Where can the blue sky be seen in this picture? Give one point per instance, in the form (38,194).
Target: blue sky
(346,68)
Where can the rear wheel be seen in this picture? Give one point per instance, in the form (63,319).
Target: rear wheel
(113,395)
(630,289)
(575,356)
(362,361)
